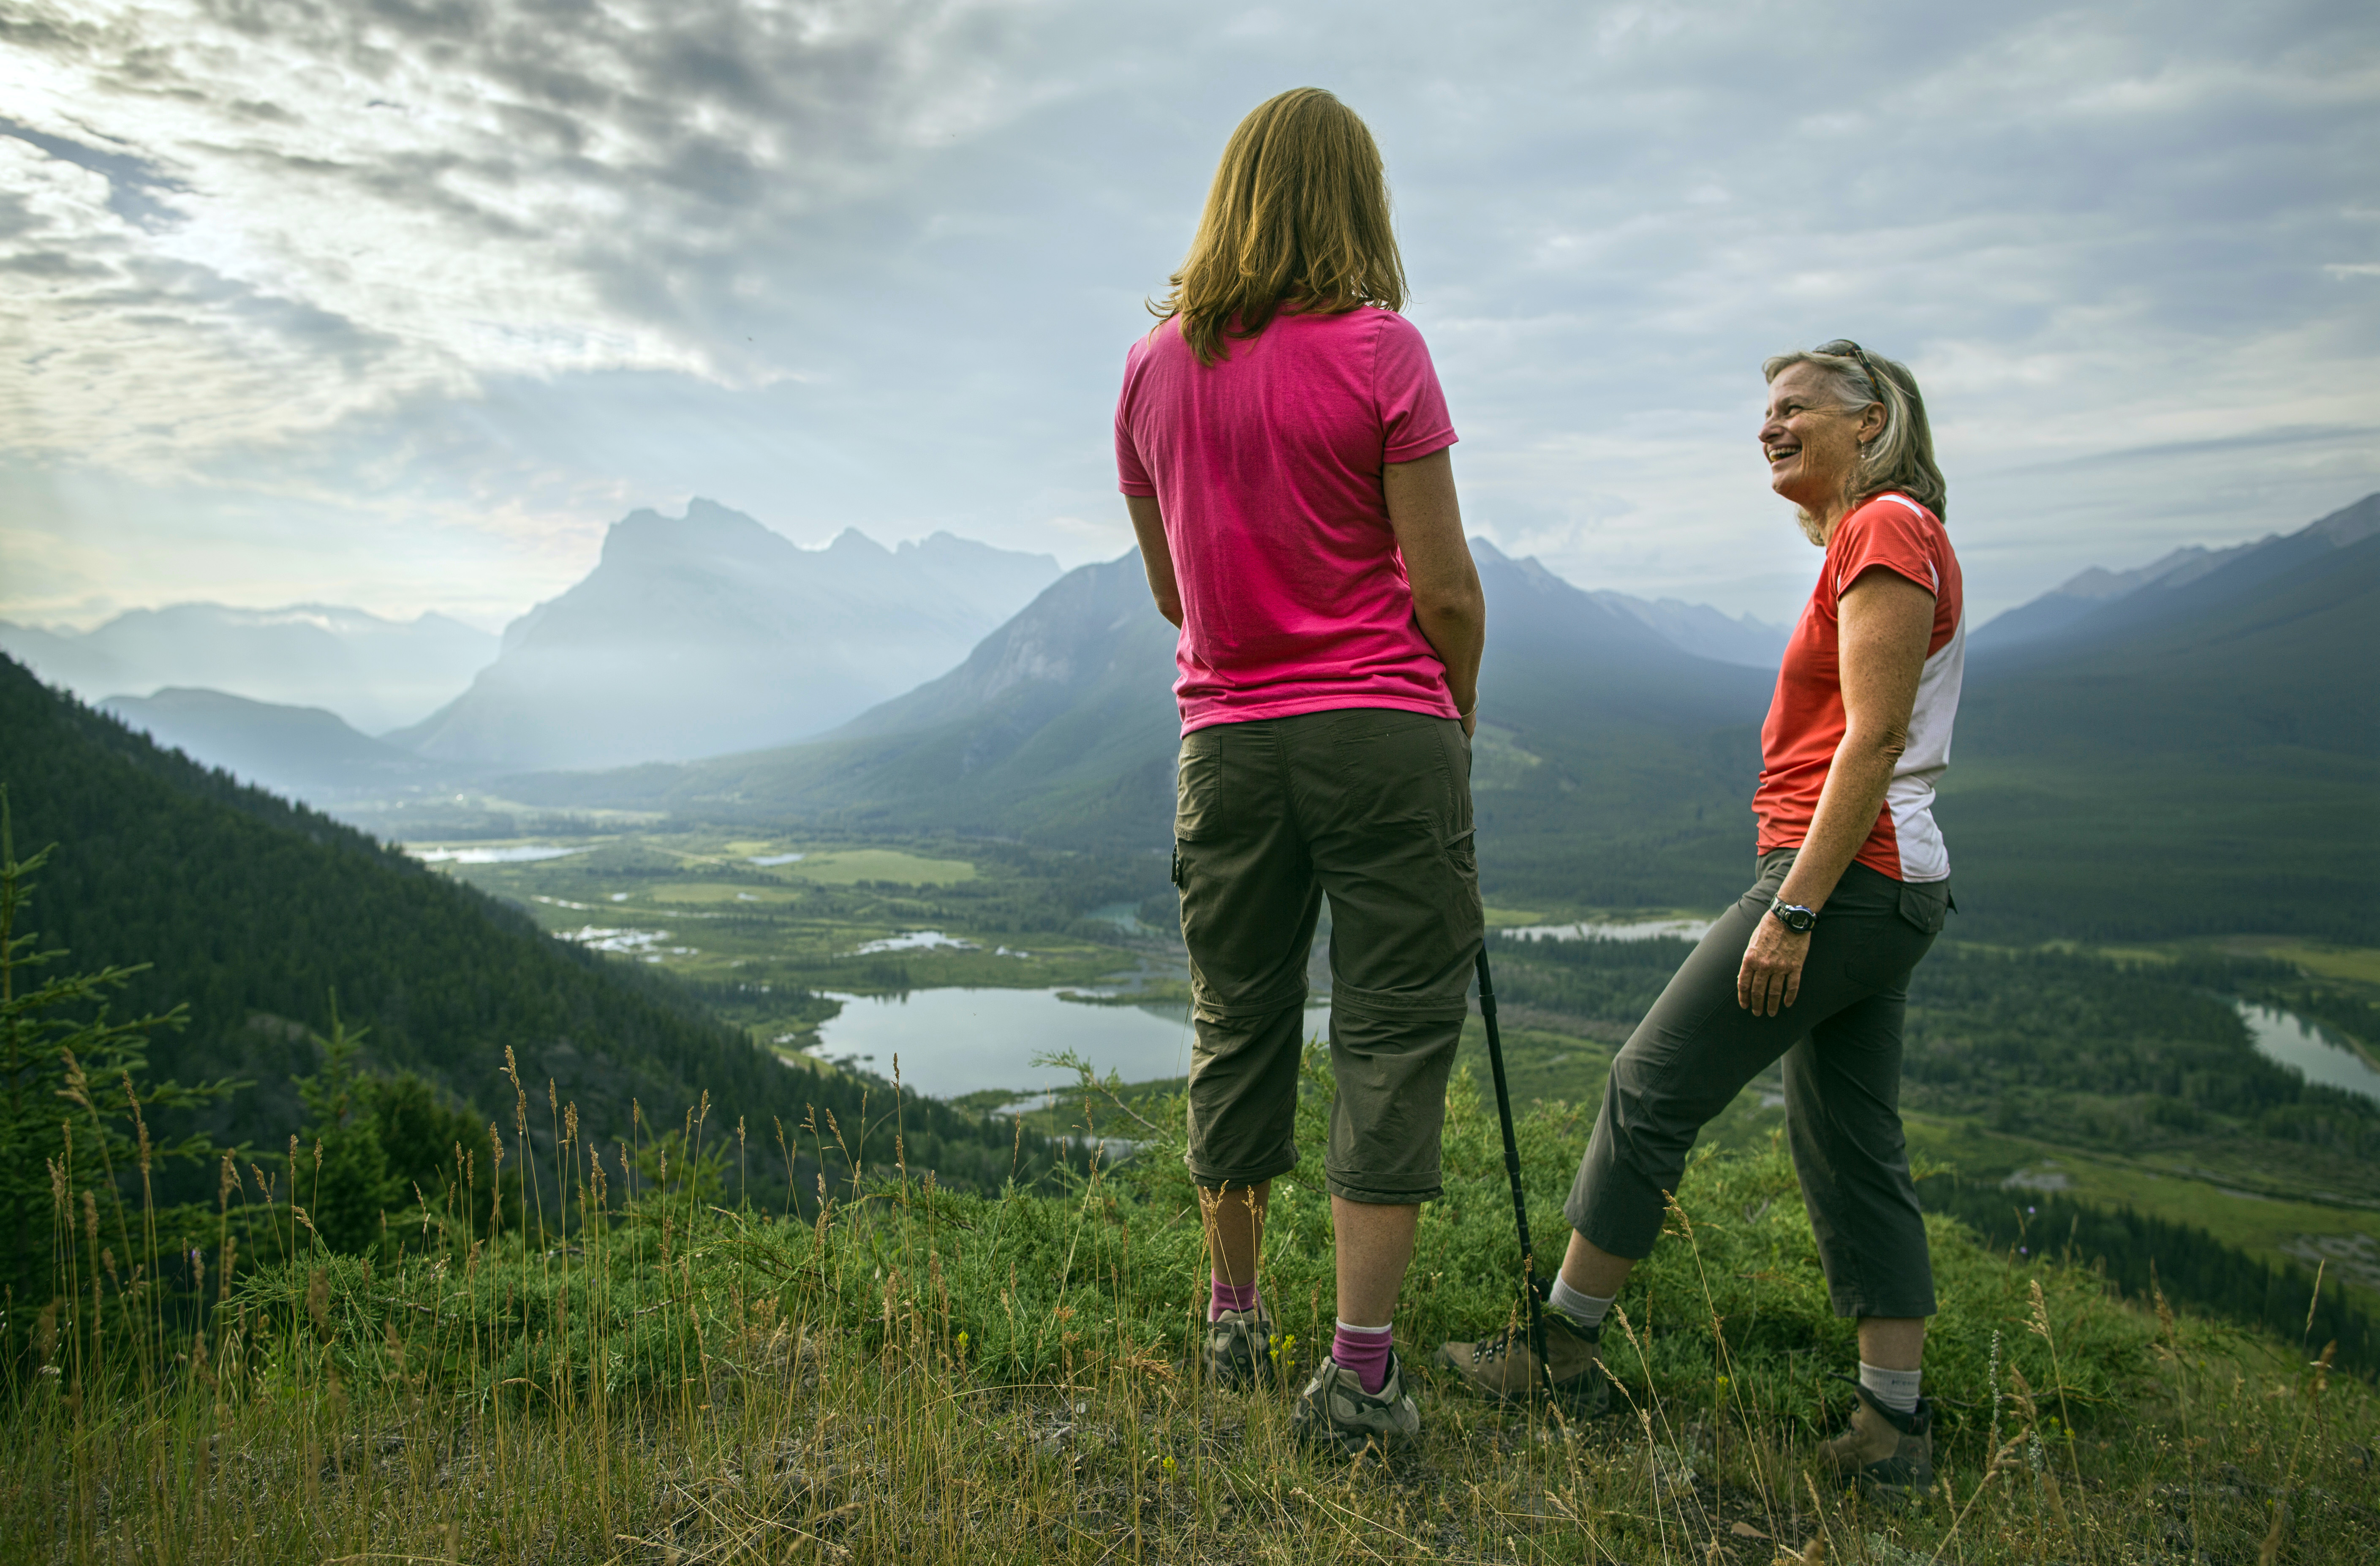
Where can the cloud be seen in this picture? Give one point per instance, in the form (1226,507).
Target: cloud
(466,280)
(320,210)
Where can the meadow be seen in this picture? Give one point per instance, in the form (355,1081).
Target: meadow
(632,1360)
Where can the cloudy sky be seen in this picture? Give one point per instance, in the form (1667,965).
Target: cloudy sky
(399,303)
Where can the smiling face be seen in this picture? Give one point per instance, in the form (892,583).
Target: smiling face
(1812,441)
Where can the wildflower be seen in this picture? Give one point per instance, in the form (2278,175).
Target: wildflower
(963,1343)
(2028,1212)
(1169,1466)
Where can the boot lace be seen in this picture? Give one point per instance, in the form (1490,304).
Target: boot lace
(1495,1346)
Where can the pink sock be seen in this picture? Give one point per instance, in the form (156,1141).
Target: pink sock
(1365,1350)
(1223,1296)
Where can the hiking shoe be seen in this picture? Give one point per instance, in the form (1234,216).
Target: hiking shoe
(1502,1366)
(1334,1410)
(1888,1454)
(1239,1349)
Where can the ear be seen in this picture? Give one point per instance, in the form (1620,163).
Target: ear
(1871,422)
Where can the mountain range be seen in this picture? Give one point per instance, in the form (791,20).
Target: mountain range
(374,673)
(2188,745)
(2195,754)
(2076,603)
(708,633)
(1703,631)
(2194,751)
(1060,727)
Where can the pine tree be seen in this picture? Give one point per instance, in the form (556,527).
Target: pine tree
(75,1154)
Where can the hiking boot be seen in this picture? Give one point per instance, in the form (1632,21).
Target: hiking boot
(1888,1454)
(1335,1410)
(1502,1366)
(1239,1349)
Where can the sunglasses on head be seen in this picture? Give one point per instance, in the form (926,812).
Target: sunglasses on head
(1843,347)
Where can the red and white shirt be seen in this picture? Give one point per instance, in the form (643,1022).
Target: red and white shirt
(1805,718)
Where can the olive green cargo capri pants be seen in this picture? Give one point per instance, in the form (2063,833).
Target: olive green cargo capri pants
(1372,807)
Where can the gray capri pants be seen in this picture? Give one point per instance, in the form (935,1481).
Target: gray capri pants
(1840,1040)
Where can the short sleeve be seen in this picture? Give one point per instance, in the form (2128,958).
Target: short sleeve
(1405,388)
(1894,533)
(1131,474)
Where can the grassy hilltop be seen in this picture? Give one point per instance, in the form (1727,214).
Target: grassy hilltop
(648,1368)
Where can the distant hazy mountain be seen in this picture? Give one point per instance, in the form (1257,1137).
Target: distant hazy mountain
(375,673)
(303,752)
(1705,632)
(1060,725)
(2081,599)
(707,634)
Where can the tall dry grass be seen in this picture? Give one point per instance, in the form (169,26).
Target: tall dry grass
(635,1369)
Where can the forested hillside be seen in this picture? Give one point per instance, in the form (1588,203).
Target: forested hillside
(2145,1067)
(2189,761)
(255,913)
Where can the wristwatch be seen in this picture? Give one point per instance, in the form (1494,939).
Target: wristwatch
(1793,916)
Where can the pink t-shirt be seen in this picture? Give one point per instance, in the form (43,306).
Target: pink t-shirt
(1267,467)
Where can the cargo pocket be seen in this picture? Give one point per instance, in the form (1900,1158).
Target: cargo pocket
(1926,905)
(1462,853)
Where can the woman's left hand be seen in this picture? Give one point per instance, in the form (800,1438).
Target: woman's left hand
(1771,974)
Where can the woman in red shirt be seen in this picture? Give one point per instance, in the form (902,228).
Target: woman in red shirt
(1813,963)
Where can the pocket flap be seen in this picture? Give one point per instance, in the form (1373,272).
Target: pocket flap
(1925,904)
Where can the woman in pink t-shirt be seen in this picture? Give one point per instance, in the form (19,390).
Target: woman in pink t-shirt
(1282,442)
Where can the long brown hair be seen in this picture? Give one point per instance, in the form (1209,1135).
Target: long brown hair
(1298,216)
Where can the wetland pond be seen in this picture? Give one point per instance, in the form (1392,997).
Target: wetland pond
(2327,1061)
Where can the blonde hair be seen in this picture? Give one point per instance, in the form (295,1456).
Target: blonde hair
(1298,216)
(1901,458)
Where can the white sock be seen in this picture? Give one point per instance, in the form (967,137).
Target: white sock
(1897,1389)
(1368,1331)
(1585,1309)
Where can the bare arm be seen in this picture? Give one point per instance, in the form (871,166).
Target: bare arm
(1156,554)
(1886,620)
(1448,605)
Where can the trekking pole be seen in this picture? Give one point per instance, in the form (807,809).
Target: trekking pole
(1529,1289)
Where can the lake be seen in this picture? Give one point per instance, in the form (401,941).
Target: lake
(2288,1039)
(1602,929)
(953,1042)
(529,854)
